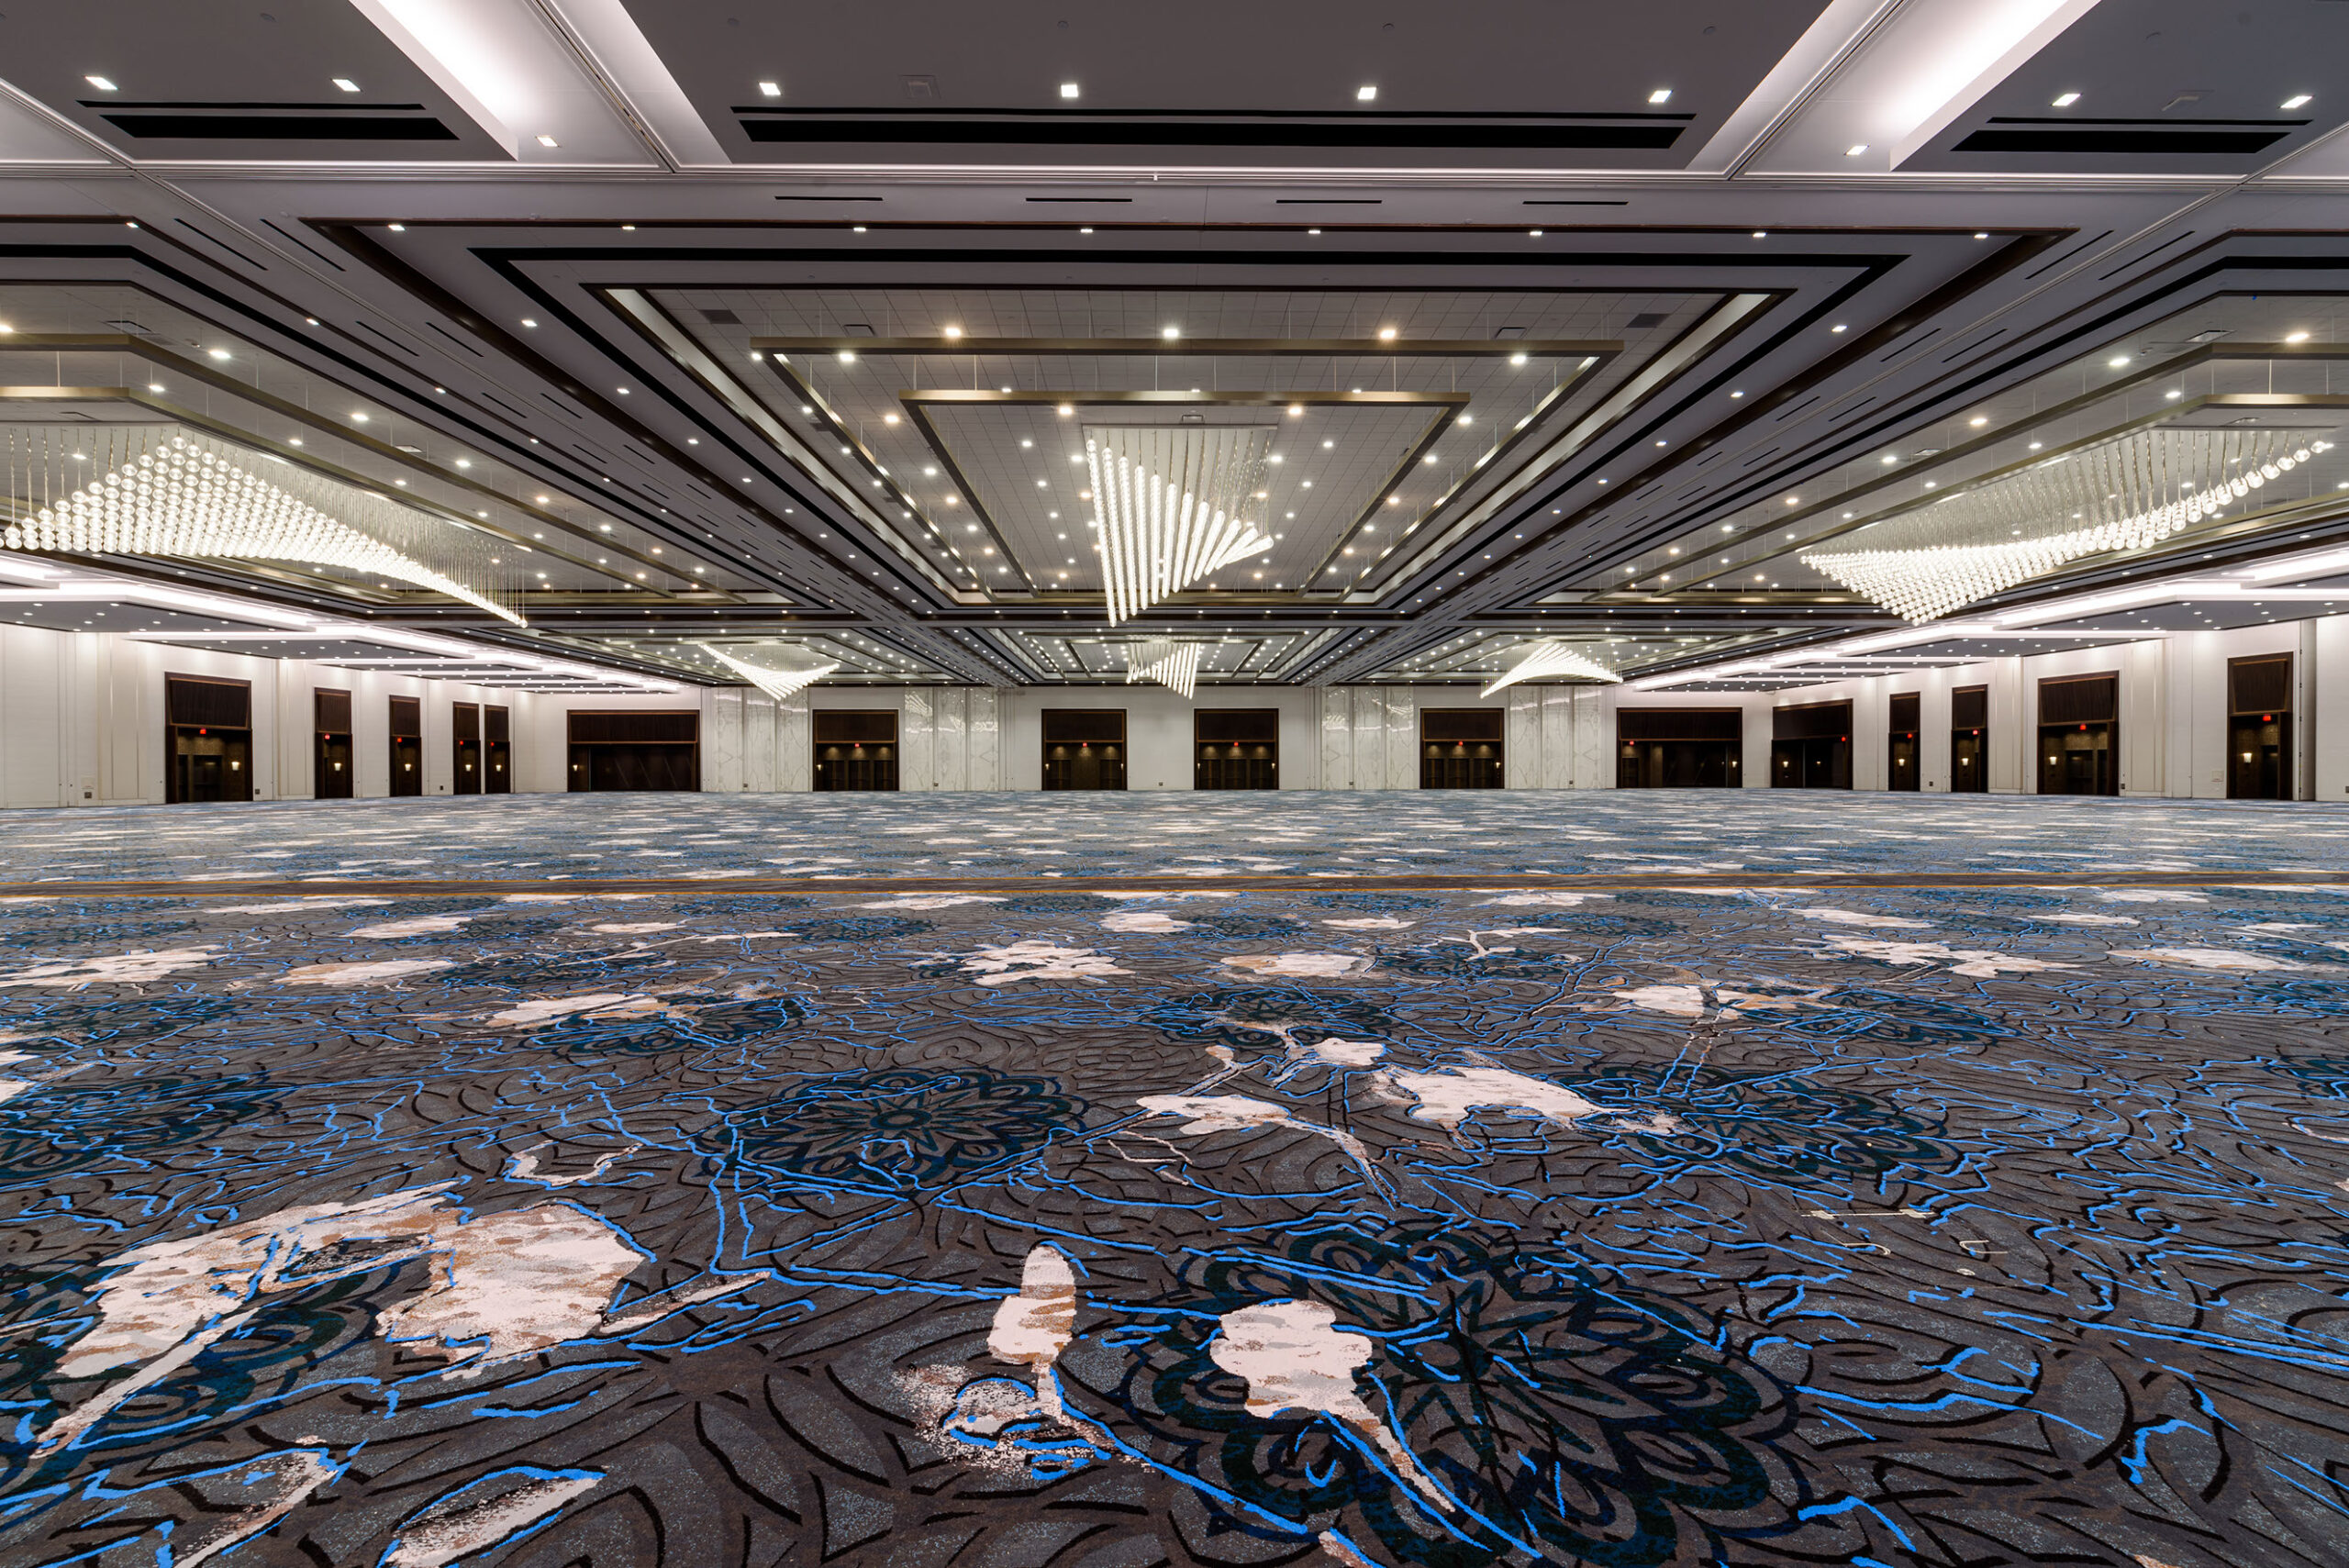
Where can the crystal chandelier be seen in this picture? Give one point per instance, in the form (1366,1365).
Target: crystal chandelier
(160,493)
(1168,502)
(1550,657)
(1174,665)
(2125,495)
(777,683)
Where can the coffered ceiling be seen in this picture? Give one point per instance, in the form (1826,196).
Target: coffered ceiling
(695,324)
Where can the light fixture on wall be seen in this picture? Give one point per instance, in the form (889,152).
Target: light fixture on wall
(1548,658)
(1174,665)
(779,685)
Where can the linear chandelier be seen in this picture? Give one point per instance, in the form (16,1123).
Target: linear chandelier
(158,492)
(1169,503)
(779,685)
(2124,494)
(1548,657)
(1174,665)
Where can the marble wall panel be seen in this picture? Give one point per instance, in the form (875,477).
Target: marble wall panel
(917,740)
(1336,736)
(1521,740)
(1402,739)
(950,756)
(758,744)
(1594,741)
(1370,738)
(983,738)
(721,740)
(794,745)
(1557,767)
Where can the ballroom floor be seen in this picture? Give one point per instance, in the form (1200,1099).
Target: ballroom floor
(1111,1181)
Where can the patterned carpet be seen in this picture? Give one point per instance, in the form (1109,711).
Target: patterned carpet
(1720,1210)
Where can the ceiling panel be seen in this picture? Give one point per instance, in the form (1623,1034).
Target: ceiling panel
(1225,80)
(235,83)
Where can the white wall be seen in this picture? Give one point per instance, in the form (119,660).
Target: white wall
(2173,711)
(81,722)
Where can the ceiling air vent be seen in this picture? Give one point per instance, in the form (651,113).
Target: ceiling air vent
(1645,321)
(2015,133)
(721,319)
(186,122)
(1646,131)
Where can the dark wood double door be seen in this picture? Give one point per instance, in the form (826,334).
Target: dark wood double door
(2079,734)
(1810,746)
(855,749)
(207,740)
(1084,748)
(1236,747)
(1679,748)
(1460,748)
(627,749)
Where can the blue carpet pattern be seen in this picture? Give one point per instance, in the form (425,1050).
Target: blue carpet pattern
(1726,1213)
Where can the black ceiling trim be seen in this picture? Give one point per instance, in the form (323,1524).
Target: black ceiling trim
(278,127)
(2124,143)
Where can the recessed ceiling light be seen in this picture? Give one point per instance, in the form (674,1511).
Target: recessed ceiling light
(1170,333)
(2297,101)
(101,83)
(1856,150)
(398,228)
(1365,94)
(346,83)
(545,141)
(1980,420)
(2296,337)
(219,353)
(1068,89)
(1386,334)
(2117,362)
(770,89)
(2065,100)
(527,322)
(1840,327)
(1661,95)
